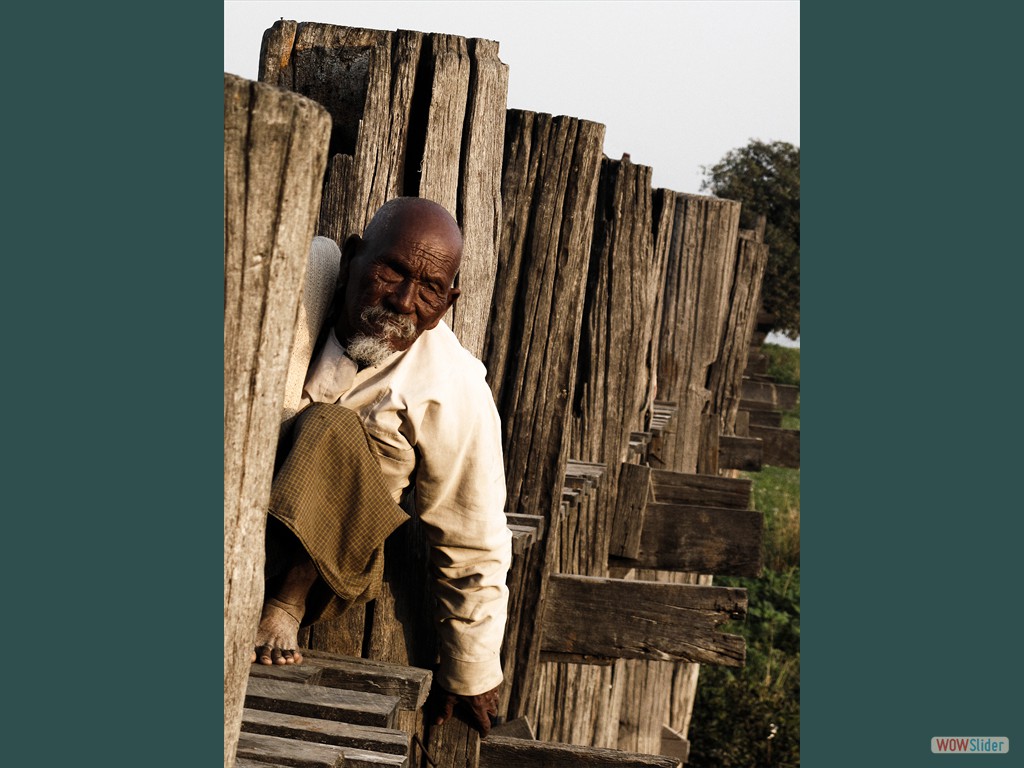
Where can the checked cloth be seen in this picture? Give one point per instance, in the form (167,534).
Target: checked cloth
(329,492)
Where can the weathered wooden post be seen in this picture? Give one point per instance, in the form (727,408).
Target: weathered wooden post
(698,277)
(697,283)
(549,183)
(608,394)
(275,153)
(726,374)
(414,114)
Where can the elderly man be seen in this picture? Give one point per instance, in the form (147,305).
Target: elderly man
(394,408)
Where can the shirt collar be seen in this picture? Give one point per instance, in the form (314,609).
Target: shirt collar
(332,374)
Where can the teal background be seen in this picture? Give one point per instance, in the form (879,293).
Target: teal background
(113,312)
(911,279)
(113,317)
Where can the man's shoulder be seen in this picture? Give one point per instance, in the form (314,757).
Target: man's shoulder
(438,368)
(441,349)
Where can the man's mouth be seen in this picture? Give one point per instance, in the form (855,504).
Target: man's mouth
(389,326)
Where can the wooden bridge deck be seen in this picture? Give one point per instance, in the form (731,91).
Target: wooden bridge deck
(330,710)
(336,711)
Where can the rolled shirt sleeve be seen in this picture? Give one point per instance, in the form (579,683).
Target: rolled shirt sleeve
(460,499)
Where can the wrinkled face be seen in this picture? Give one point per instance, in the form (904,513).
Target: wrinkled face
(398,282)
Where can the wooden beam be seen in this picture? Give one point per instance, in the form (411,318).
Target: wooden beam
(342,635)
(506,752)
(748,404)
(782,396)
(736,452)
(454,744)
(713,540)
(673,744)
(520,728)
(628,514)
(523,537)
(385,740)
(700,490)
(646,703)
(711,425)
(537,522)
(549,183)
(757,362)
(764,418)
(743,423)
(279,751)
(324,703)
(615,619)
(781,446)
(410,684)
(304,674)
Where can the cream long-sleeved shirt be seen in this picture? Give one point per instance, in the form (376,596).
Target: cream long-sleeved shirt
(429,409)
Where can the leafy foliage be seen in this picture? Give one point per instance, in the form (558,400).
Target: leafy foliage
(765,177)
(750,717)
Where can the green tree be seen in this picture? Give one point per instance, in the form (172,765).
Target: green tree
(766,179)
(750,717)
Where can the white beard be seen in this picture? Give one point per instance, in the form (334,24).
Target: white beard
(368,351)
(374,350)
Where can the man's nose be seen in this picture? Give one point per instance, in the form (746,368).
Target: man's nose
(403,297)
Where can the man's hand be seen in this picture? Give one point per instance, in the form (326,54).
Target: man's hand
(482,707)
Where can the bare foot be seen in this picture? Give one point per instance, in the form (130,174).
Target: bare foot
(278,633)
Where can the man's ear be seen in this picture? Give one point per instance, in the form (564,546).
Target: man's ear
(453,296)
(348,252)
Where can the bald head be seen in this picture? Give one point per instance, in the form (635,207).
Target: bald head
(398,276)
(404,215)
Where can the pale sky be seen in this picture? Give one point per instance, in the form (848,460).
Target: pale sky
(676,83)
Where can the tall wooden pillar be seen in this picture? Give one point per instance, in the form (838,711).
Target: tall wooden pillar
(275,152)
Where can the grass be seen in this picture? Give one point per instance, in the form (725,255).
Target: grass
(791,419)
(783,363)
(784,366)
(776,493)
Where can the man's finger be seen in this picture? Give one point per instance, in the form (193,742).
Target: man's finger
(445,711)
(483,718)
